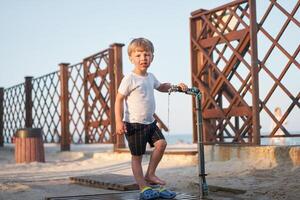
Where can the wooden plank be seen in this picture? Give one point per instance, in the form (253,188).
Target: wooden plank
(99,73)
(23,148)
(97,124)
(107,181)
(200,12)
(214,188)
(234,35)
(234,111)
(33,149)
(117,196)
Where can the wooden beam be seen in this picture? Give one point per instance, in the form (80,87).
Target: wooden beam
(234,35)
(234,111)
(161,123)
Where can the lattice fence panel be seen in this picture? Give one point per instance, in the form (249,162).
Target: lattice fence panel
(46,106)
(222,54)
(97,85)
(14,111)
(278,48)
(221,68)
(76,103)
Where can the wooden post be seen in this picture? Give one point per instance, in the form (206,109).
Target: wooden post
(117,67)
(86,101)
(28,101)
(254,74)
(220,102)
(193,29)
(112,93)
(197,60)
(1,116)
(64,99)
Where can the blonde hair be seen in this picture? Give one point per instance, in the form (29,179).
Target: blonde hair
(142,43)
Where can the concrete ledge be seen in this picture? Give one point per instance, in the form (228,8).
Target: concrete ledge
(273,154)
(125,156)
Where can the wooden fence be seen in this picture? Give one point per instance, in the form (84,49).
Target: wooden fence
(230,52)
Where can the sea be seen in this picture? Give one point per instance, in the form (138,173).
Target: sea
(188,139)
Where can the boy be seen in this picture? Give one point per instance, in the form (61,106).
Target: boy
(138,124)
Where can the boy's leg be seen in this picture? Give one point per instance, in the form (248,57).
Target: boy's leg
(137,170)
(157,154)
(137,144)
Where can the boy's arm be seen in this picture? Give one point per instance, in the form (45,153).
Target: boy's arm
(120,126)
(164,87)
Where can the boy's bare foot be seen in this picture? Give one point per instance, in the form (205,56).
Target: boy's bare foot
(154,180)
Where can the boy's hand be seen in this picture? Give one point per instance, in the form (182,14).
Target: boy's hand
(120,128)
(183,86)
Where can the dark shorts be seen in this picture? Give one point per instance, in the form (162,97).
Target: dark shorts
(138,135)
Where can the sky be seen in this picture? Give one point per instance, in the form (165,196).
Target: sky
(37,35)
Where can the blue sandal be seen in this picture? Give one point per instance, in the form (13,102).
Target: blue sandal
(166,194)
(148,194)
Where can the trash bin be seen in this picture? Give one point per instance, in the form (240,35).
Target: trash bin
(29,145)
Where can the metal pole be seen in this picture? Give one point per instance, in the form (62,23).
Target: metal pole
(203,187)
(1,116)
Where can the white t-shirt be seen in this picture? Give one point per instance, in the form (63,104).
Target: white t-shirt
(139,97)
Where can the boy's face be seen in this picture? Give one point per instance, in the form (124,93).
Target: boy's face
(141,59)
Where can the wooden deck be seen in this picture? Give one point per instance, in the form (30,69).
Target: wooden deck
(132,195)
(113,182)
(107,181)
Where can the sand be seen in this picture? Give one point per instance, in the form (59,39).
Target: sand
(261,179)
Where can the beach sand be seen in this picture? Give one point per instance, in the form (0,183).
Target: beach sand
(261,178)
